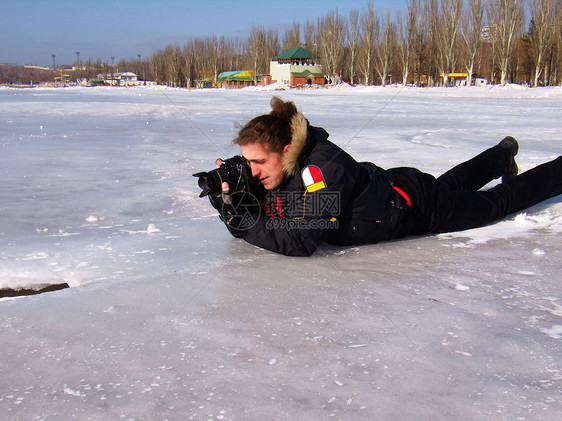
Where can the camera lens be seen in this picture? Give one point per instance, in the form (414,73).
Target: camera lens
(231,171)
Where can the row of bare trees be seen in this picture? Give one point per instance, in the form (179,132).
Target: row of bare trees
(421,44)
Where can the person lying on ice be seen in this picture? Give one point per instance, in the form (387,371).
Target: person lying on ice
(311,191)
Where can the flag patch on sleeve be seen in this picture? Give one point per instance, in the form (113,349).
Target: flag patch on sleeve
(313,179)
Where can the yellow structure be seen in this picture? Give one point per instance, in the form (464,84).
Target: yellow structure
(62,79)
(456,79)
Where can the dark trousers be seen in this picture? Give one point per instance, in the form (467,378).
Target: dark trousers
(453,201)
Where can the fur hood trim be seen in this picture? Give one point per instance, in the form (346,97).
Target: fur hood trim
(299,127)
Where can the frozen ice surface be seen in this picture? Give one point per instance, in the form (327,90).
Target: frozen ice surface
(168,317)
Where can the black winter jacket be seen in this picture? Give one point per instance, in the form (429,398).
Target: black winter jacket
(325,196)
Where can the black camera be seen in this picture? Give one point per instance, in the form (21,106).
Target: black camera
(235,171)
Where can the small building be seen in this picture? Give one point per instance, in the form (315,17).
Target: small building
(296,66)
(236,79)
(460,79)
(454,79)
(128,79)
(120,79)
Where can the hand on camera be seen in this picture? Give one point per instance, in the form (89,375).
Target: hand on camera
(225,186)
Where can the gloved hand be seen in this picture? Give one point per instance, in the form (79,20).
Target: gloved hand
(238,210)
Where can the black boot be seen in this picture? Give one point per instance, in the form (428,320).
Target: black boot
(511,147)
(533,186)
(495,162)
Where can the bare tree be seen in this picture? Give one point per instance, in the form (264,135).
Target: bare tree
(157,67)
(445,21)
(331,36)
(407,32)
(189,63)
(271,46)
(212,57)
(472,22)
(199,50)
(541,34)
(311,37)
(556,56)
(292,37)
(505,17)
(386,46)
(353,42)
(421,46)
(172,65)
(256,50)
(369,26)
(234,54)
(261,46)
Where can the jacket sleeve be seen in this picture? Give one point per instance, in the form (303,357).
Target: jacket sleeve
(239,208)
(285,236)
(307,221)
(227,213)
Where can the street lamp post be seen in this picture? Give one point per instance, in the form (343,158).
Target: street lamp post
(77,65)
(112,69)
(140,67)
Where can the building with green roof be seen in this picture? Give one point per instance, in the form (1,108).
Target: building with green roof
(236,79)
(296,66)
(296,53)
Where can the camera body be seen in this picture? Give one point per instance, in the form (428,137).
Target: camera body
(235,171)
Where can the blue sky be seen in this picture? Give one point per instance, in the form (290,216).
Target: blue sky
(33,30)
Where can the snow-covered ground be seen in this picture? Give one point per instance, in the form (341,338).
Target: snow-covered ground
(168,317)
